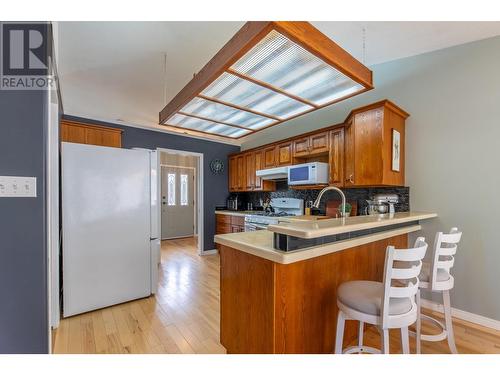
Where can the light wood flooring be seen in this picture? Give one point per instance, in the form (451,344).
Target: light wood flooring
(184,316)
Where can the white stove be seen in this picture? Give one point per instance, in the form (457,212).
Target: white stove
(283,207)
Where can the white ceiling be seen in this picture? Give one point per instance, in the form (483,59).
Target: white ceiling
(115,71)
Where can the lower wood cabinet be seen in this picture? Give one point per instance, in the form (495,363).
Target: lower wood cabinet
(76,132)
(229,224)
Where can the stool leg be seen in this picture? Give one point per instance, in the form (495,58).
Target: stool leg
(419,324)
(340,333)
(448,321)
(405,341)
(385,341)
(360,333)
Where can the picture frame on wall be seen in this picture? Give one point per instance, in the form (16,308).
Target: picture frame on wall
(396,150)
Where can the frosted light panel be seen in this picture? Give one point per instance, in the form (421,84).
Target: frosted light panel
(232,89)
(193,123)
(224,113)
(278,61)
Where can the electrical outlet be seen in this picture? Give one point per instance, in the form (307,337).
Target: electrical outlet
(14,186)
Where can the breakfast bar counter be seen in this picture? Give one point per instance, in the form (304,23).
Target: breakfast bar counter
(274,301)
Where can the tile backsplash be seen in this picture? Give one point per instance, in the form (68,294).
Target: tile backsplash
(358,194)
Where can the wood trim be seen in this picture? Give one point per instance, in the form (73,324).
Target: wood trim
(302,33)
(313,40)
(237,46)
(218,122)
(180,130)
(271,87)
(382,103)
(238,107)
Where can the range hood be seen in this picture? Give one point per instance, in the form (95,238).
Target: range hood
(268,73)
(279,173)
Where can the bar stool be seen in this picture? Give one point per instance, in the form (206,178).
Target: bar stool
(436,277)
(389,304)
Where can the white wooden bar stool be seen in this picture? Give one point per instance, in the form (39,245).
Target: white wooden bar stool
(389,304)
(436,277)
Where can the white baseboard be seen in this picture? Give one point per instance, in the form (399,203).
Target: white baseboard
(209,252)
(464,315)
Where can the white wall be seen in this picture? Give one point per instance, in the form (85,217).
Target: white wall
(452,153)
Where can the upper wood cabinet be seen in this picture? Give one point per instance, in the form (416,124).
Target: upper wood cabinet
(250,171)
(336,157)
(359,152)
(241,173)
(233,174)
(284,154)
(269,158)
(77,132)
(369,146)
(318,143)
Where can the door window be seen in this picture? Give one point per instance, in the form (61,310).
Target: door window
(184,189)
(171,189)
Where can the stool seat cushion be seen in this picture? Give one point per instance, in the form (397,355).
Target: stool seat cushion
(366,297)
(441,274)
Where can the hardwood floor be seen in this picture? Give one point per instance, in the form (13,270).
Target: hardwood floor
(184,316)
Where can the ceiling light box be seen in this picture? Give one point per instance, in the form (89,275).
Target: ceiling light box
(269,72)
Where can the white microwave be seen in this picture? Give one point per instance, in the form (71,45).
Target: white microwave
(308,174)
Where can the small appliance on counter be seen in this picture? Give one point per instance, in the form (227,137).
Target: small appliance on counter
(381,204)
(233,203)
(308,174)
(277,208)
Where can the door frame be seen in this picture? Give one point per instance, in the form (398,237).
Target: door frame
(199,191)
(195,206)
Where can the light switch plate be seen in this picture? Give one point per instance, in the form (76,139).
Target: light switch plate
(15,186)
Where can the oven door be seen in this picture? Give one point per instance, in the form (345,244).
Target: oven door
(300,175)
(251,227)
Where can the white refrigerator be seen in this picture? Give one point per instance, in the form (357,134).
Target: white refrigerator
(110,226)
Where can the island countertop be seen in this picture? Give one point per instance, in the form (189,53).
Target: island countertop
(328,227)
(260,243)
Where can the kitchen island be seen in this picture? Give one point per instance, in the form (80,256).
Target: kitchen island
(275,301)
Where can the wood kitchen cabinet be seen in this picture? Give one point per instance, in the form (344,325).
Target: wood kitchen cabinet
(368,146)
(284,154)
(269,158)
(359,152)
(241,173)
(318,143)
(233,174)
(76,132)
(250,171)
(336,157)
(229,224)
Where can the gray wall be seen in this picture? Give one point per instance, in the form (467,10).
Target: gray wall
(23,276)
(215,186)
(452,153)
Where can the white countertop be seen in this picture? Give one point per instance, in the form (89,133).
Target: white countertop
(327,227)
(260,243)
(236,213)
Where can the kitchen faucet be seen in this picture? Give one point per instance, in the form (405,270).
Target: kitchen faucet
(342,195)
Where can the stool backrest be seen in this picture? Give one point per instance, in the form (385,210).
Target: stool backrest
(445,247)
(401,278)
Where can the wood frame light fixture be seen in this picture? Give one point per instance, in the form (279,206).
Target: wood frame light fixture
(268,73)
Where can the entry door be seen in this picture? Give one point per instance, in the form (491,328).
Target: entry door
(177,202)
